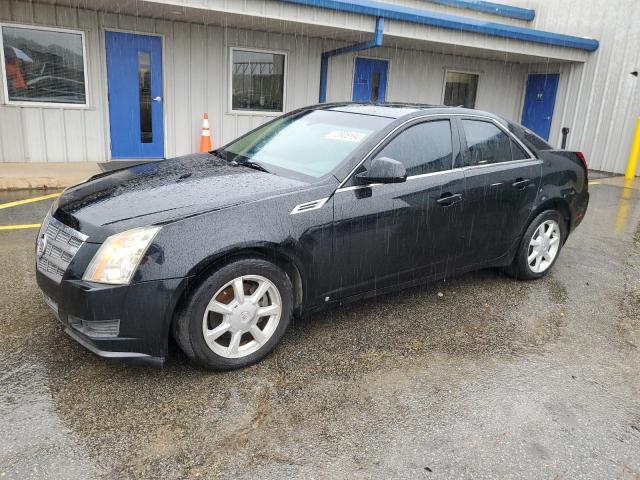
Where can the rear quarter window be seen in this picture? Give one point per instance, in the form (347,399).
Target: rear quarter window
(535,140)
(529,138)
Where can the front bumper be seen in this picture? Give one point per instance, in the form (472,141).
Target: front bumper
(115,321)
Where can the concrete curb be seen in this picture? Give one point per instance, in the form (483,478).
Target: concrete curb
(22,176)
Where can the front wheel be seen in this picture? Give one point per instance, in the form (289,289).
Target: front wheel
(236,316)
(539,247)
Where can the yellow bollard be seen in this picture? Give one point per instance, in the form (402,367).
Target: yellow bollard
(633,155)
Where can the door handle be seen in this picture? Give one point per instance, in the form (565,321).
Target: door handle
(521,183)
(447,199)
(157,99)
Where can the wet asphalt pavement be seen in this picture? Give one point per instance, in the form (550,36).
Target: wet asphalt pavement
(492,379)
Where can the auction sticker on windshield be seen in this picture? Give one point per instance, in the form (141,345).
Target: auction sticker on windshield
(345,135)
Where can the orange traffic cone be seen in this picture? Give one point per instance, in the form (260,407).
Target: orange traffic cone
(205,136)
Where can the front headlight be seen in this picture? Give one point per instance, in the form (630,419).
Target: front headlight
(119,256)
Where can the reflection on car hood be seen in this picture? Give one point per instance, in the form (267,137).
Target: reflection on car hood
(161,191)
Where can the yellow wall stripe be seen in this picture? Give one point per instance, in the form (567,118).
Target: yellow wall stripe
(28,200)
(19,227)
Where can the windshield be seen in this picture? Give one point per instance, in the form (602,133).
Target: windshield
(312,142)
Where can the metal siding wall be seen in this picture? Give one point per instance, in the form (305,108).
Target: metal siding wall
(51,134)
(301,82)
(419,77)
(602,99)
(195,81)
(598,100)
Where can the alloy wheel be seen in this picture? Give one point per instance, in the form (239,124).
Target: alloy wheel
(543,246)
(242,316)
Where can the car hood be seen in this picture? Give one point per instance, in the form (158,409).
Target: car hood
(162,191)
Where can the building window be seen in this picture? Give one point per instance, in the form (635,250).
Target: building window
(43,65)
(257,80)
(460,89)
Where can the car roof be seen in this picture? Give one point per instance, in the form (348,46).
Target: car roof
(396,110)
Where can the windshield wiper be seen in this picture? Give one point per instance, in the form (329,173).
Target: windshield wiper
(235,161)
(218,153)
(250,164)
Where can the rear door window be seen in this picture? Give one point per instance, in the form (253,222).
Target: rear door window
(486,144)
(517,152)
(423,148)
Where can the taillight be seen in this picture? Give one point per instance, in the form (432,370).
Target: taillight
(583,159)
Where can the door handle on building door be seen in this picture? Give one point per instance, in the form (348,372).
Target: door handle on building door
(157,99)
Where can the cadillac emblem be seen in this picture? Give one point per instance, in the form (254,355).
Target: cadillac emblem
(41,246)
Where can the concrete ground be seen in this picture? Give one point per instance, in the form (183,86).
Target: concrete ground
(40,176)
(22,175)
(477,377)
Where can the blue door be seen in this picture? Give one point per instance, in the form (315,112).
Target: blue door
(539,100)
(370,80)
(134,80)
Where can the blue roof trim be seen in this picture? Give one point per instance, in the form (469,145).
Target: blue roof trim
(451,22)
(508,11)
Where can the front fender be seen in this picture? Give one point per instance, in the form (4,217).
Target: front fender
(187,247)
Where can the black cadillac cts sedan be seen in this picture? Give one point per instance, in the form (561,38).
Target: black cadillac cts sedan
(324,205)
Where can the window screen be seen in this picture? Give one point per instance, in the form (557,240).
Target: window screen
(460,89)
(422,148)
(258,81)
(486,143)
(43,65)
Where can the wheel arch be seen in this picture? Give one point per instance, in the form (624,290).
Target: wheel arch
(558,204)
(287,262)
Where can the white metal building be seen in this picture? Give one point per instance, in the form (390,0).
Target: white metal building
(98,80)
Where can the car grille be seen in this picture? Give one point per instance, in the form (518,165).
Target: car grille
(62,243)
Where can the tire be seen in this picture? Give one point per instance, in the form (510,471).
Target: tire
(218,332)
(522,268)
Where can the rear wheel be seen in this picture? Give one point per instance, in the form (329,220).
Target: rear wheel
(539,247)
(236,316)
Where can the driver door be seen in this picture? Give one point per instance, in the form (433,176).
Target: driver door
(387,235)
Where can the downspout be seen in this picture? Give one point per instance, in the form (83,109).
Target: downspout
(376,41)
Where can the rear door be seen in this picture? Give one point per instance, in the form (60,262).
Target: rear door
(502,181)
(391,234)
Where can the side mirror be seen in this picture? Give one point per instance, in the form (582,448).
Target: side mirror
(383,170)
